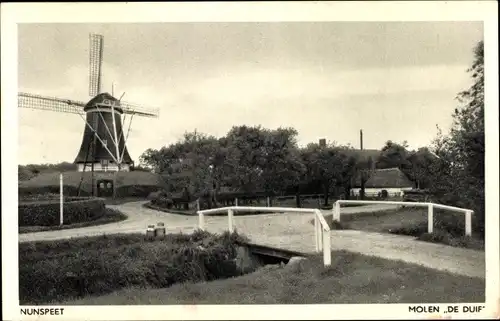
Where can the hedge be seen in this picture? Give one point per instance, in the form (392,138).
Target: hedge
(68,190)
(48,197)
(46,213)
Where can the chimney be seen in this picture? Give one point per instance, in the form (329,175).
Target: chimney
(322,142)
(361,138)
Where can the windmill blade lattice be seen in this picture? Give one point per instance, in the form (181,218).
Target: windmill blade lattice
(25,100)
(95,64)
(135,109)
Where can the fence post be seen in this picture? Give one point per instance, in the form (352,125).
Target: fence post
(230,220)
(430,218)
(201,221)
(336,211)
(268,202)
(316,234)
(235,201)
(61,200)
(327,252)
(468,223)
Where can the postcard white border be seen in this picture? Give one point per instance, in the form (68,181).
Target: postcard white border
(14,13)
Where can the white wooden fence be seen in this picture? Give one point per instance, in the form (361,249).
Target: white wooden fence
(321,228)
(430,211)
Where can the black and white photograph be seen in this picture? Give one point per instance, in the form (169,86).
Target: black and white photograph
(238,162)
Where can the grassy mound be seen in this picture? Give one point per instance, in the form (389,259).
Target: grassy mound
(65,269)
(110,216)
(135,183)
(352,278)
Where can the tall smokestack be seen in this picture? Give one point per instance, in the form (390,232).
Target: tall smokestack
(361,138)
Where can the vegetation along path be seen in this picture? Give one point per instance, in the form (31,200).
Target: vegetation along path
(291,231)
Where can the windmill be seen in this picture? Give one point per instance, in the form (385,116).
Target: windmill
(103,146)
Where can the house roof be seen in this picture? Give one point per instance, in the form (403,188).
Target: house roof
(387,177)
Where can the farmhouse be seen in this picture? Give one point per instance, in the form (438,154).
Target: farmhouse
(392,180)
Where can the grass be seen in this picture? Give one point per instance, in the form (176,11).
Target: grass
(448,227)
(352,278)
(69,269)
(110,216)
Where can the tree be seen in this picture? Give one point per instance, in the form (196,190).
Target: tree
(419,167)
(461,180)
(327,166)
(393,155)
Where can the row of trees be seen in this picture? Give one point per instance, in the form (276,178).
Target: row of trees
(249,159)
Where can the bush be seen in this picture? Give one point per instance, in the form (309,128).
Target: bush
(153,195)
(46,213)
(163,202)
(59,270)
(136,190)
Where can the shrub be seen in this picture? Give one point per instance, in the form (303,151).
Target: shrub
(136,190)
(163,202)
(157,194)
(411,229)
(46,213)
(153,195)
(59,270)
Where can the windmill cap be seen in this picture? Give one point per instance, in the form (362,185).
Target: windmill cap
(105,100)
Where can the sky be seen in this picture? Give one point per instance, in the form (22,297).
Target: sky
(394,80)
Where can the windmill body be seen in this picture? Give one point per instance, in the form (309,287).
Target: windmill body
(100,151)
(103,147)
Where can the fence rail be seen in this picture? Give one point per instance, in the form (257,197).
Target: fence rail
(321,229)
(430,211)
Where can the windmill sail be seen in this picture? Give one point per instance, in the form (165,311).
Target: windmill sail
(25,100)
(95,64)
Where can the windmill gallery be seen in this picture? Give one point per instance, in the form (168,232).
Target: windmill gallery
(103,161)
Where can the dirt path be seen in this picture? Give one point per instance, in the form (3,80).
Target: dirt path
(291,231)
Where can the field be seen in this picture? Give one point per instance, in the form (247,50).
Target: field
(352,278)
(448,227)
